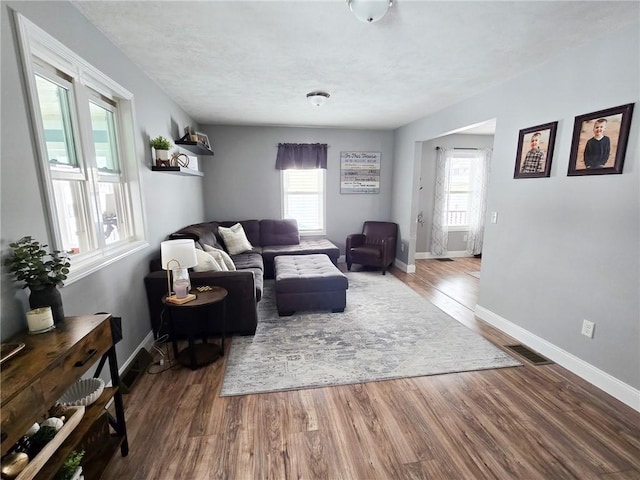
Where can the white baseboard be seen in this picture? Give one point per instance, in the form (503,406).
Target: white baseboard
(604,381)
(428,255)
(404,267)
(147,344)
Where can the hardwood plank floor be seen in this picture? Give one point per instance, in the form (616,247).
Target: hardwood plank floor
(513,423)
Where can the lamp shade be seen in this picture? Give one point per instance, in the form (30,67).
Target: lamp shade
(182,251)
(369,10)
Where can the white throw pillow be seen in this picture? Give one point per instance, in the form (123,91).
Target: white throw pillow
(206,262)
(218,258)
(221,257)
(235,239)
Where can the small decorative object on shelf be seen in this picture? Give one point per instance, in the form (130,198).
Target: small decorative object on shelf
(161,146)
(179,160)
(84,392)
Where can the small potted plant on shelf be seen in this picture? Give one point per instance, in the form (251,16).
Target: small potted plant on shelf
(42,272)
(161,146)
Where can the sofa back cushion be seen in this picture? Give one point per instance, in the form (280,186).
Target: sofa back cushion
(203,234)
(279,232)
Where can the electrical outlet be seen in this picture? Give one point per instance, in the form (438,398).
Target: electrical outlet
(402,247)
(494,217)
(588,328)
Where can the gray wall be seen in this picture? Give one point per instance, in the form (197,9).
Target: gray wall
(241,181)
(564,248)
(428,183)
(170,201)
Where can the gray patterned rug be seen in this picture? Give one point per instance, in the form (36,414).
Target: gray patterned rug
(387,331)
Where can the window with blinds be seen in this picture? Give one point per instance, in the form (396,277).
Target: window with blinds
(303,199)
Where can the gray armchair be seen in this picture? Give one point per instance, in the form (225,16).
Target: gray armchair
(374,247)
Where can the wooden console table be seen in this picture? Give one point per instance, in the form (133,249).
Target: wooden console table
(37,376)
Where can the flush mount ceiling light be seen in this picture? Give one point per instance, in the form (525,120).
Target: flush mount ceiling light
(369,10)
(318,98)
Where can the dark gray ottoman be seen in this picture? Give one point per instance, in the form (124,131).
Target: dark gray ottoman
(309,282)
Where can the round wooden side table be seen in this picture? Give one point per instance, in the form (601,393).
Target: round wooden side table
(192,319)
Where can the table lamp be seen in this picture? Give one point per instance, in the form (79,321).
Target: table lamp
(178,255)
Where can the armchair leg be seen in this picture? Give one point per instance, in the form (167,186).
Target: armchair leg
(348,266)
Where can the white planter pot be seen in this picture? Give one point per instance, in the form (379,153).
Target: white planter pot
(162,154)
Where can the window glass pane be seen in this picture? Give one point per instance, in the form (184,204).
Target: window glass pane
(56,119)
(112,207)
(104,138)
(306,209)
(458,194)
(303,198)
(72,214)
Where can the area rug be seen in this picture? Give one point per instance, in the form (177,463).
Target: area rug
(387,331)
(474,274)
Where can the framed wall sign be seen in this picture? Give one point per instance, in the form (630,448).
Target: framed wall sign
(360,172)
(600,141)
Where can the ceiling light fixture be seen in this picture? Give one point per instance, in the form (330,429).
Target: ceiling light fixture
(369,10)
(318,98)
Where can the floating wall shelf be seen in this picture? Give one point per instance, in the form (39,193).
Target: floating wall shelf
(178,171)
(198,148)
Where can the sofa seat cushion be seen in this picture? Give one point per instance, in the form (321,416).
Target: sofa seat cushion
(248,260)
(368,251)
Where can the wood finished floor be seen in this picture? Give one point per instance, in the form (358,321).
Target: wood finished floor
(512,423)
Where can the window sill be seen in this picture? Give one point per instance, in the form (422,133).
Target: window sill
(87,268)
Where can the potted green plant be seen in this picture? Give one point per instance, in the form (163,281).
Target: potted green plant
(42,272)
(161,146)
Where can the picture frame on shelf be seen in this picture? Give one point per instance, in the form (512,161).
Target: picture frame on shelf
(599,141)
(535,151)
(204,139)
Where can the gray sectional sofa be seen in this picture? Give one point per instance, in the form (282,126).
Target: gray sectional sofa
(269,239)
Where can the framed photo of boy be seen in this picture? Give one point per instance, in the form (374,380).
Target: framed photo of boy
(599,141)
(535,151)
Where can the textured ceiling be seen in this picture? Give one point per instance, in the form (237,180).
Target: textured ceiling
(252,63)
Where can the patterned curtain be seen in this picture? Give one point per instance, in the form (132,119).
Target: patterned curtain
(301,156)
(478,205)
(440,229)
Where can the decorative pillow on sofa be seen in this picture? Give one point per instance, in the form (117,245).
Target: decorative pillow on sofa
(206,263)
(221,257)
(235,239)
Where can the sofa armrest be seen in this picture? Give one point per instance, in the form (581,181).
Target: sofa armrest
(241,303)
(354,240)
(388,249)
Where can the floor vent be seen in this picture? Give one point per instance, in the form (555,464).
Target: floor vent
(445,259)
(529,355)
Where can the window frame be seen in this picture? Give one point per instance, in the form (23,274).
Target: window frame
(43,55)
(322,183)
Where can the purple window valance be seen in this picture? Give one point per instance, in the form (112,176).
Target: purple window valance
(301,156)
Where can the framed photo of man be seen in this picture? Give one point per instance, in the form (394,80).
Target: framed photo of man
(599,141)
(535,151)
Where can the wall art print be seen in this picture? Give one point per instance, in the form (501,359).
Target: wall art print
(360,172)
